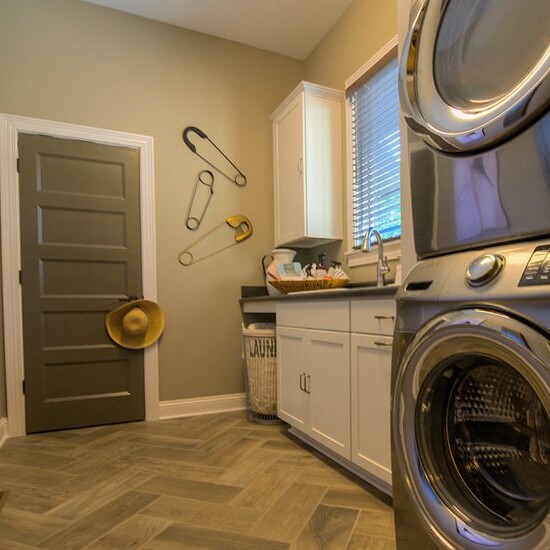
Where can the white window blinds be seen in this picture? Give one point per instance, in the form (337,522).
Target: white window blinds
(376,156)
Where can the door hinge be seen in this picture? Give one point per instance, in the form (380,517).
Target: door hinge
(23,386)
(17,162)
(20,277)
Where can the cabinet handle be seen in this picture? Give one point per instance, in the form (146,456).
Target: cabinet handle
(390,317)
(308,383)
(302,381)
(300,166)
(383,344)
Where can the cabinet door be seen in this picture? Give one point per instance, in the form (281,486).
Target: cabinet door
(291,372)
(328,384)
(288,140)
(371,374)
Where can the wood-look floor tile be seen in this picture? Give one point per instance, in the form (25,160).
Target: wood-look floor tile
(248,468)
(362,542)
(198,490)
(133,533)
(180,443)
(216,481)
(168,453)
(26,457)
(318,474)
(286,518)
(353,497)
(208,515)
(376,523)
(179,536)
(231,454)
(262,492)
(26,528)
(26,499)
(32,477)
(93,526)
(328,528)
(159,466)
(98,495)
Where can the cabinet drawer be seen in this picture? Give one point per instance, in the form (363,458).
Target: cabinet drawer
(373,316)
(322,314)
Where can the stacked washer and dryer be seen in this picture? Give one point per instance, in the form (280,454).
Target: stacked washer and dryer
(471,363)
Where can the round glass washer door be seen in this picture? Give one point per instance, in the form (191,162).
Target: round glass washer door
(472,431)
(474,73)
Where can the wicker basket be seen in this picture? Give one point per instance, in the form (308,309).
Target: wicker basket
(308,284)
(261,373)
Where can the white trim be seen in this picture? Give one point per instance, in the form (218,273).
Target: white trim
(10,126)
(393,249)
(202,405)
(3,431)
(380,54)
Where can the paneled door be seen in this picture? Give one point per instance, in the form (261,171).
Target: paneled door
(80,258)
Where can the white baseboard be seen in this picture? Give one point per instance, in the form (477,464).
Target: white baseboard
(202,405)
(3,430)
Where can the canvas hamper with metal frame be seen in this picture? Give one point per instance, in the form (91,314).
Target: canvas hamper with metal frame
(260,353)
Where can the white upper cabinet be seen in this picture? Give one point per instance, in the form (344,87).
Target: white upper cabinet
(307,149)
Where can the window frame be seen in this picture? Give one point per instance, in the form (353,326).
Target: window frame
(392,249)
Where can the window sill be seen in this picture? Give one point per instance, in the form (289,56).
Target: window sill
(356,258)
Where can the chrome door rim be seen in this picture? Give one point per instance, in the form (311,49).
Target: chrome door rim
(530,355)
(447,127)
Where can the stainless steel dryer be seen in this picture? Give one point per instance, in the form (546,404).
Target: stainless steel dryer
(475,92)
(471,401)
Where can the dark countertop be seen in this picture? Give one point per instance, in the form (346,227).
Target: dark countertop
(355,290)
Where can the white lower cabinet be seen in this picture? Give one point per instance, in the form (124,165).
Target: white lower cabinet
(334,379)
(314,385)
(370,404)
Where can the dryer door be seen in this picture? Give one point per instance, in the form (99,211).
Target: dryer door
(474,73)
(472,431)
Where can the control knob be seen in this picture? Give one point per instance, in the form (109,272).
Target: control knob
(484,269)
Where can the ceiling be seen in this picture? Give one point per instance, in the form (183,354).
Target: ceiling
(288,27)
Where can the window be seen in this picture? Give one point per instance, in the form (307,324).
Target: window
(373,128)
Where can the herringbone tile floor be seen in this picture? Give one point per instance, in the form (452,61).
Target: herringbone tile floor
(213,481)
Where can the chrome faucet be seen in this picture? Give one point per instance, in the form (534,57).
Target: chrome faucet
(382,267)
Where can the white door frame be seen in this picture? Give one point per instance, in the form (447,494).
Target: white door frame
(10,127)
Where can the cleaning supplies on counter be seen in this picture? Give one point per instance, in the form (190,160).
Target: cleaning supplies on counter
(279,256)
(290,277)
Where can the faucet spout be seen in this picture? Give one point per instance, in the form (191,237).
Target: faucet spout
(382,267)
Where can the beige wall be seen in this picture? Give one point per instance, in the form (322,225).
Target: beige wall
(74,62)
(365,27)
(69,61)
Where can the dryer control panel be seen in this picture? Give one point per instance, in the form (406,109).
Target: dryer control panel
(537,271)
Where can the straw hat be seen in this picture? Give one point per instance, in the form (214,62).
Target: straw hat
(135,325)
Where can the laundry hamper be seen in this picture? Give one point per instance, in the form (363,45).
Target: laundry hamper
(260,353)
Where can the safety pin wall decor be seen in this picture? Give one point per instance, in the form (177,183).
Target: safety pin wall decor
(243,229)
(239,178)
(204,185)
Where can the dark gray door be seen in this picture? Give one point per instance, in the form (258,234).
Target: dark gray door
(80,248)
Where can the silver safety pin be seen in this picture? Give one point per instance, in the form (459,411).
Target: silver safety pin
(206,178)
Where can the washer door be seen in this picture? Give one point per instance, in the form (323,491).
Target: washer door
(472,431)
(474,73)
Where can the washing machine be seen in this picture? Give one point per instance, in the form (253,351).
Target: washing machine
(475,93)
(471,401)
(471,358)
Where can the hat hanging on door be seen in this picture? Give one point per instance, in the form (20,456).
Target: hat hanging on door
(135,325)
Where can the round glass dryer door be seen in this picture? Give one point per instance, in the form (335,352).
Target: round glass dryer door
(474,73)
(472,428)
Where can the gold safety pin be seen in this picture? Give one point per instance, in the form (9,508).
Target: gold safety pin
(243,229)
